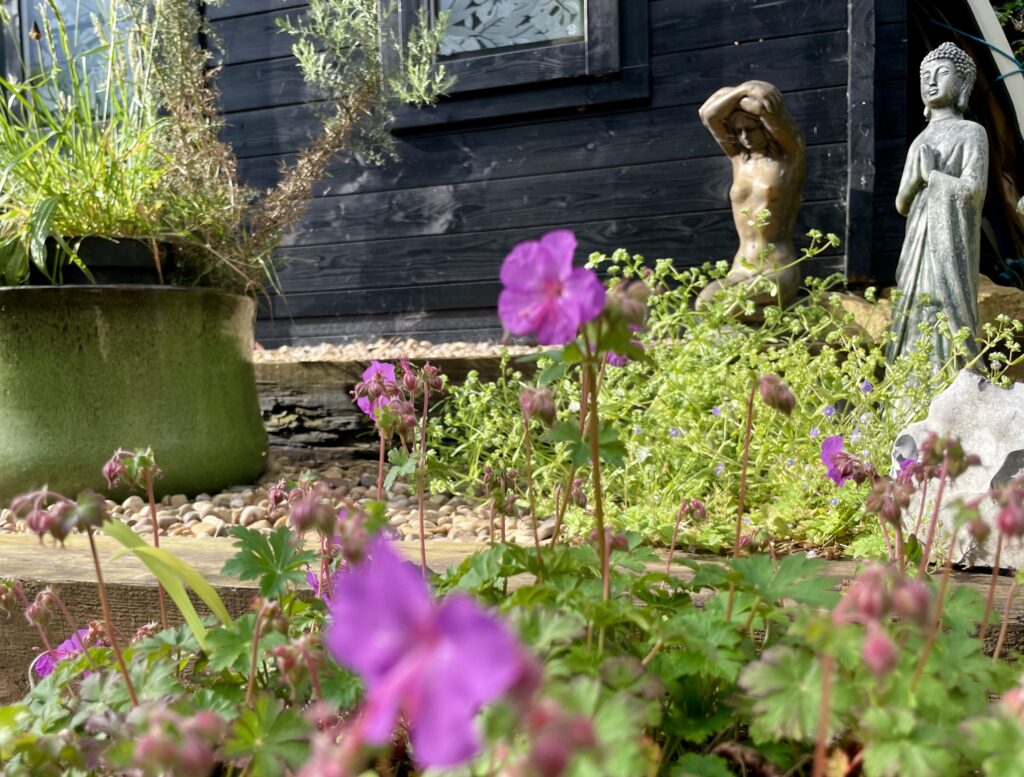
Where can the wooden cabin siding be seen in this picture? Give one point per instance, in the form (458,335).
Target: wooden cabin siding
(413,247)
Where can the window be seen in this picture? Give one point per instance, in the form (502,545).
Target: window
(519,56)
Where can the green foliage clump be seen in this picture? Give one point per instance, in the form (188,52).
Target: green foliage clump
(681,411)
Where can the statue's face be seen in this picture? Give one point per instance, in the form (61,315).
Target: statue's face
(749,132)
(939,84)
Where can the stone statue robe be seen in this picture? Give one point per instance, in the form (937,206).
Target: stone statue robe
(941,249)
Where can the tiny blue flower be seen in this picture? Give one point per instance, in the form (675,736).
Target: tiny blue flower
(866,387)
(855,436)
(720,467)
(674,432)
(829,411)
(636,430)
(790,462)
(814,431)
(834,501)
(716,411)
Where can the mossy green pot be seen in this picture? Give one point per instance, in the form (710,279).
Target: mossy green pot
(85,370)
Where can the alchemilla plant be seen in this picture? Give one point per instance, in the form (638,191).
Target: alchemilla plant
(582,658)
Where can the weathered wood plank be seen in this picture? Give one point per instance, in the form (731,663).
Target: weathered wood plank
(861,139)
(442,326)
(254,36)
(618,193)
(247,7)
(691,239)
(617,139)
(679,25)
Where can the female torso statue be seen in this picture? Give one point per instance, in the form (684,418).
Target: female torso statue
(769,165)
(941,193)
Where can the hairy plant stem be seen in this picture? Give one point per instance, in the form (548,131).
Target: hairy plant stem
(821,740)
(947,573)
(1005,625)
(920,512)
(990,599)
(161,596)
(584,409)
(742,495)
(753,613)
(901,559)
(421,466)
(314,677)
(380,467)
(675,537)
(943,474)
(595,473)
(109,620)
(528,450)
(257,630)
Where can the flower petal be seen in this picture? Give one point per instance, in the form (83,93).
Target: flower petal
(385,369)
(560,245)
(378,609)
(518,310)
(585,289)
(558,324)
(475,662)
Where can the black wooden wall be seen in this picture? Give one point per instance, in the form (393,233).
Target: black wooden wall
(414,247)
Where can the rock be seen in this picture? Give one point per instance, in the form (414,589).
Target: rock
(202,530)
(990,423)
(333,473)
(546,529)
(133,504)
(165,519)
(190,517)
(261,524)
(143,527)
(282,521)
(368,480)
(204,509)
(179,500)
(874,318)
(252,514)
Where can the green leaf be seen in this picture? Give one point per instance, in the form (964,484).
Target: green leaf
(231,648)
(271,736)
(795,577)
(551,373)
(402,465)
(694,765)
(786,688)
(564,431)
(39,227)
(274,559)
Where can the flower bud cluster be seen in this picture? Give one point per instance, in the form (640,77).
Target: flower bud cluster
(776,394)
(47,512)
(937,451)
(627,302)
(1010,518)
(131,468)
(880,593)
(612,541)
(175,745)
(888,499)
(40,612)
(8,597)
(503,486)
(390,400)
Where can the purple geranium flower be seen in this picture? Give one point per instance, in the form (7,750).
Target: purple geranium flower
(386,372)
(69,648)
(543,293)
(439,663)
(830,446)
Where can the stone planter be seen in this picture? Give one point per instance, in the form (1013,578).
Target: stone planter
(88,369)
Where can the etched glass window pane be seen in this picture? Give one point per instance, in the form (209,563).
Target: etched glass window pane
(476,25)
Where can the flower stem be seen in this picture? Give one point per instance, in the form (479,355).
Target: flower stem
(380,468)
(562,504)
(675,537)
(990,599)
(595,473)
(742,495)
(156,544)
(947,573)
(943,474)
(821,741)
(109,620)
(256,633)
(1005,625)
(314,678)
(421,465)
(528,450)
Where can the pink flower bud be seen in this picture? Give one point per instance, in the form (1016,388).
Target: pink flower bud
(1010,519)
(155,752)
(776,394)
(539,403)
(277,494)
(912,600)
(37,616)
(113,470)
(40,522)
(878,651)
(208,725)
(979,530)
(195,758)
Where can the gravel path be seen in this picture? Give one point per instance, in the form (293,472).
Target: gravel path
(453,518)
(387,349)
